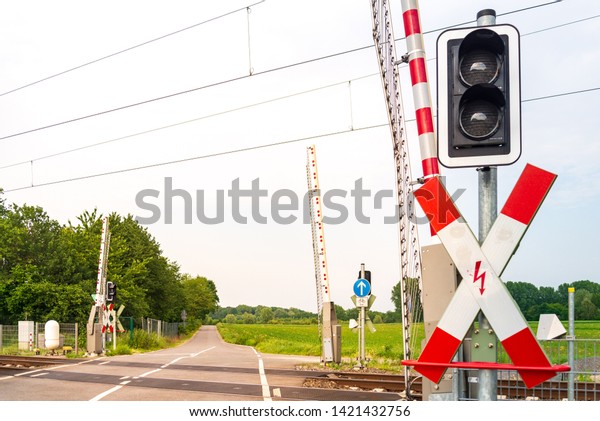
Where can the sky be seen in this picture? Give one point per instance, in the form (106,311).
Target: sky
(288,74)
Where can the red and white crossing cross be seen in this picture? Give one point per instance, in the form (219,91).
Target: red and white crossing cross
(480,267)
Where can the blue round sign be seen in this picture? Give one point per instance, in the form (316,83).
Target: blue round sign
(362,288)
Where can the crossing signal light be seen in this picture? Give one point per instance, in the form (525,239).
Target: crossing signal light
(479,96)
(367,277)
(111,291)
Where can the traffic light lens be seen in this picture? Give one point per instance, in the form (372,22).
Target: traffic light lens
(479,119)
(479,66)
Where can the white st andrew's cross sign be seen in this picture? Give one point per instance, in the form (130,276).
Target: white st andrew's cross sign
(481,287)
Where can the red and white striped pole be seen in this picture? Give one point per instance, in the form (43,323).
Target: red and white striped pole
(420,87)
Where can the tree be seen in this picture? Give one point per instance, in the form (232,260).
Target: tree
(534,312)
(265,315)
(248,318)
(415,305)
(50,271)
(526,295)
(340,313)
(200,296)
(585,309)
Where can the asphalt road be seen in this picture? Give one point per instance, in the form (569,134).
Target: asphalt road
(203,369)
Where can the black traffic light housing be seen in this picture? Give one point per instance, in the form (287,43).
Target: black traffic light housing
(479,96)
(367,277)
(111,291)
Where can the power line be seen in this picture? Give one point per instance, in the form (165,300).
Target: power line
(562,25)
(499,14)
(244,107)
(561,94)
(278,99)
(128,49)
(207,21)
(212,155)
(168,126)
(247,149)
(236,79)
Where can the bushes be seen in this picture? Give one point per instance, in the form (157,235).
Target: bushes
(122,348)
(143,340)
(191,326)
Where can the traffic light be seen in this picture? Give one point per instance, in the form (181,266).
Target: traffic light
(367,277)
(111,291)
(479,96)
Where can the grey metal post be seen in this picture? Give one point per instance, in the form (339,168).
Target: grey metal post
(488,210)
(571,343)
(362,322)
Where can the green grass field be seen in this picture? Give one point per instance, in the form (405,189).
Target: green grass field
(384,346)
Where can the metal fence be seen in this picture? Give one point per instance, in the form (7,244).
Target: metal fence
(9,337)
(582,383)
(31,337)
(160,327)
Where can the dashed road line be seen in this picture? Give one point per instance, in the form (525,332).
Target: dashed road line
(114,389)
(40,374)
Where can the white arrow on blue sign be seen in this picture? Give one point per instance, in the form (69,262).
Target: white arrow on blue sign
(362,288)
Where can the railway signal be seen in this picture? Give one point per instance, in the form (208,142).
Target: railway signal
(111,291)
(479,100)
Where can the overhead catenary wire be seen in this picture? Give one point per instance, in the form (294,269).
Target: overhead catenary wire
(31,161)
(236,79)
(246,8)
(240,150)
(244,107)
(211,155)
(180,123)
(130,48)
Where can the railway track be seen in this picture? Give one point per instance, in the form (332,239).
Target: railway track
(507,389)
(12,362)
(365,381)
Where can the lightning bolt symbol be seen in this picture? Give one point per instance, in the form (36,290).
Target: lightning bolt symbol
(479,276)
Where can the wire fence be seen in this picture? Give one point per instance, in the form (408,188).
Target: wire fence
(30,336)
(581,383)
(584,374)
(160,327)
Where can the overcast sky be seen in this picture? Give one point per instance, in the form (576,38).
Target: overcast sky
(260,78)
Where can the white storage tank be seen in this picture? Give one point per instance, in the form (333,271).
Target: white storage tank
(52,335)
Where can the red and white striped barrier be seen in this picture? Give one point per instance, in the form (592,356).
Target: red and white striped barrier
(479,266)
(101,263)
(420,87)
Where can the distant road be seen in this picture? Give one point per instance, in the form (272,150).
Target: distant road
(203,369)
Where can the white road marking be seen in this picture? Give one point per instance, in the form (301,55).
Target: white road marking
(104,363)
(40,374)
(109,391)
(114,389)
(29,372)
(147,373)
(263,377)
(204,350)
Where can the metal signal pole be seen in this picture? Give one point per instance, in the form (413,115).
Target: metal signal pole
(488,211)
